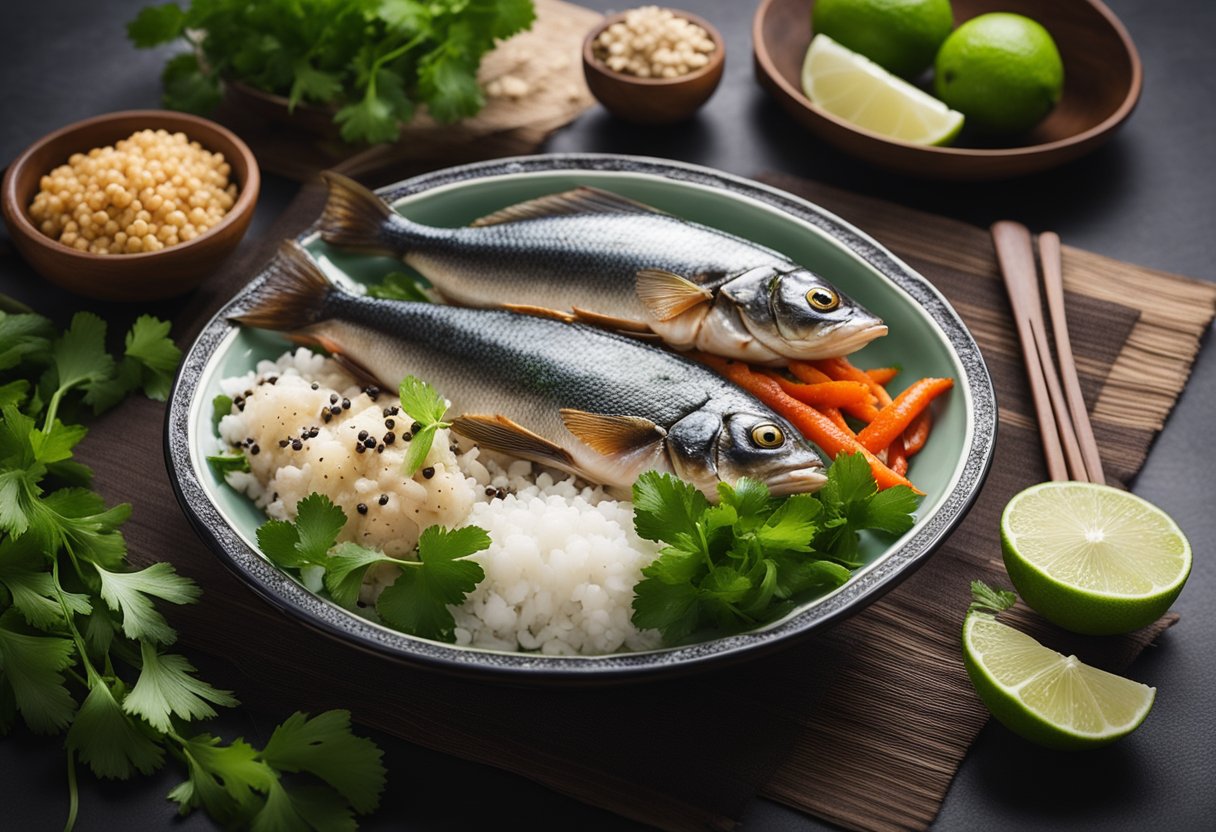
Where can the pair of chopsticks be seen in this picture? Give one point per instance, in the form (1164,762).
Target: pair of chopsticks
(1068,438)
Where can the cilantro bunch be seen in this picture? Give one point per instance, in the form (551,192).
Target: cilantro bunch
(83,648)
(374,61)
(747,560)
(416,602)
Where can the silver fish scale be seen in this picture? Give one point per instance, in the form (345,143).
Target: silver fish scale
(587,260)
(481,359)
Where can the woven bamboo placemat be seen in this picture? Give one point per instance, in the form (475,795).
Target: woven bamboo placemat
(864,725)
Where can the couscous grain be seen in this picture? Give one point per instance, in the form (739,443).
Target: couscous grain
(152,190)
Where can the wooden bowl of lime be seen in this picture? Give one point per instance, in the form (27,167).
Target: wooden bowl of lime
(950,89)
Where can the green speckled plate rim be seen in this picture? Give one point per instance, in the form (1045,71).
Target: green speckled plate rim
(286,594)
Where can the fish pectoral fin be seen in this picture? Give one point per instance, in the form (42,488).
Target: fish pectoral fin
(668,295)
(498,433)
(625,325)
(540,312)
(568,203)
(612,436)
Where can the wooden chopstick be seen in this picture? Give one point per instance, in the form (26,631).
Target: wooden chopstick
(1016,257)
(1070,448)
(1053,280)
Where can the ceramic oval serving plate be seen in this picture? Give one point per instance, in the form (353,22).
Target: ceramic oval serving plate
(926,338)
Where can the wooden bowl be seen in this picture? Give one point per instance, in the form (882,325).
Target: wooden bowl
(143,276)
(653,100)
(1102,81)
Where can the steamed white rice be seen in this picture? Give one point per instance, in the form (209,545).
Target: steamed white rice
(563,560)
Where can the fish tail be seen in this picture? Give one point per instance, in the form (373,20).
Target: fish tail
(294,296)
(354,217)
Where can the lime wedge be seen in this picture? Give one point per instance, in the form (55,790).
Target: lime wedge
(859,91)
(1044,696)
(1091,558)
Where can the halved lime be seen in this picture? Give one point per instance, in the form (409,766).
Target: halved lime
(860,91)
(1091,558)
(1044,696)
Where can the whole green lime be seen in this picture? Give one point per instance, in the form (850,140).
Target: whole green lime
(1002,71)
(901,36)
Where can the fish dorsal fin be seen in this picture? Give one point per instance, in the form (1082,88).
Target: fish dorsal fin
(578,201)
(668,295)
(539,312)
(631,327)
(498,433)
(612,436)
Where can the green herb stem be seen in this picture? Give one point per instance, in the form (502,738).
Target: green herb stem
(73,793)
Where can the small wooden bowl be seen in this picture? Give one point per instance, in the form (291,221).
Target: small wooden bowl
(1102,81)
(653,100)
(143,276)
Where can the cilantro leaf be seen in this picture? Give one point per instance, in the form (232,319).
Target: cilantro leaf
(23,338)
(749,559)
(221,406)
(408,16)
(399,286)
(32,668)
(986,599)
(80,355)
(155,25)
(421,402)
(666,506)
(131,594)
(425,406)
(149,346)
(187,87)
(32,588)
(345,568)
(368,120)
(223,464)
(417,602)
(668,607)
(13,393)
(307,541)
(325,747)
(223,779)
(513,16)
(108,740)
(448,83)
(166,688)
(419,447)
(312,84)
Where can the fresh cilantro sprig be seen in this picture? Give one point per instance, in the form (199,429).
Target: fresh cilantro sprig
(374,61)
(399,286)
(425,406)
(986,599)
(84,650)
(745,561)
(416,602)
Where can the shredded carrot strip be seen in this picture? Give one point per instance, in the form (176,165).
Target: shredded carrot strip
(807,374)
(846,394)
(918,432)
(837,418)
(894,419)
(882,375)
(840,369)
(897,459)
(814,425)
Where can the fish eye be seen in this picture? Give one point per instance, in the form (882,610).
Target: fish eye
(767,435)
(823,299)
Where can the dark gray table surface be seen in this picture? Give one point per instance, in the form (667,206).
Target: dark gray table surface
(1148,197)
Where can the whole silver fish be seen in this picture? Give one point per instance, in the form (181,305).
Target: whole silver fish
(600,258)
(594,403)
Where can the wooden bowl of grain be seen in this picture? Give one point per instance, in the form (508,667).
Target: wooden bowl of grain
(653,100)
(146,275)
